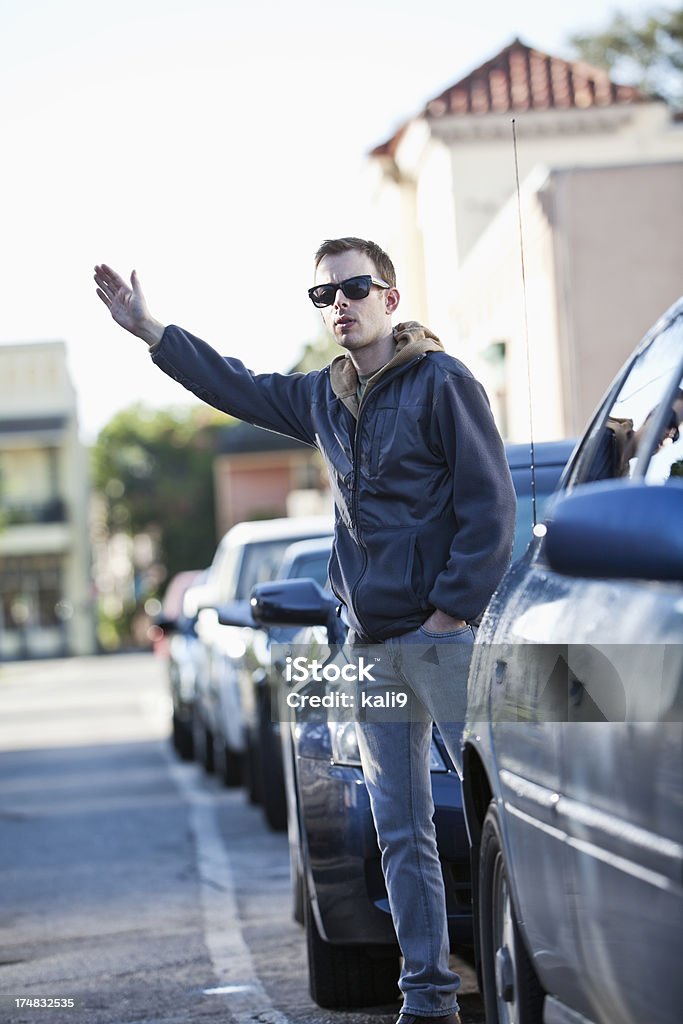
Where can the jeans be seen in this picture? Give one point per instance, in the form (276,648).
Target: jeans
(432,668)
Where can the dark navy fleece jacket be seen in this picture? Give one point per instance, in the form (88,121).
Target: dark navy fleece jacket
(425,507)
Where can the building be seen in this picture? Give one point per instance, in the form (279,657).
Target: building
(600,167)
(603,259)
(262,475)
(46,599)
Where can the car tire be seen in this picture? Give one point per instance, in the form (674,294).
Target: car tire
(228,765)
(252,776)
(273,794)
(202,739)
(348,976)
(510,987)
(182,738)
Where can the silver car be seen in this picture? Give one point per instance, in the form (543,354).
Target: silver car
(573,745)
(249,553)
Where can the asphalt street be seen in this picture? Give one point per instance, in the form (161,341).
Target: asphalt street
(130,883)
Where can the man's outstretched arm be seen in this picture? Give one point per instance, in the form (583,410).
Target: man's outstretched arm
(127,305)
(279,402)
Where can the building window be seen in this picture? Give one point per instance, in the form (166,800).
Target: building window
(30,591)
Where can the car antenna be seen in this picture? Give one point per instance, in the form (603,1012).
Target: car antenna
(532,452)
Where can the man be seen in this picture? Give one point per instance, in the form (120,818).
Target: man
(423,533)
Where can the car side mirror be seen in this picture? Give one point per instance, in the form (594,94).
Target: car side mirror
(300,602)
(618,530)
(237,613)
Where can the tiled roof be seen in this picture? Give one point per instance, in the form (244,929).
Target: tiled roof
(520,78)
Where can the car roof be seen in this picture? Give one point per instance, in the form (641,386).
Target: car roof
(276,529)
(305,549)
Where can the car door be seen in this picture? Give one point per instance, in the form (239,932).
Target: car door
(621,800)
(552,688)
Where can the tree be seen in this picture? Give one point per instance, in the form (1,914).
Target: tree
(647,51)
(154,470)
(317,354)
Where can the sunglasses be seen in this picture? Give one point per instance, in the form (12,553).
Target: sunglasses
(353,288)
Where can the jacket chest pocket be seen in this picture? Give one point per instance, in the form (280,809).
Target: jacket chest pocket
(373,443)
(340,473)
(392,436)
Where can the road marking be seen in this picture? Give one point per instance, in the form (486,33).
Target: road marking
(230,956)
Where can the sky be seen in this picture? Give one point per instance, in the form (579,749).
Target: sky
(211,145)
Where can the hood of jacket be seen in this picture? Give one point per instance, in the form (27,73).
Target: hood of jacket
(411,339)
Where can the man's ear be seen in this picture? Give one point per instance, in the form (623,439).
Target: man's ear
(392,299)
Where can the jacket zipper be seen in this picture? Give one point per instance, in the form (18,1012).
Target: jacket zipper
(355,497)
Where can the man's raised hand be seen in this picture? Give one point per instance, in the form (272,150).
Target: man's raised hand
(126,303)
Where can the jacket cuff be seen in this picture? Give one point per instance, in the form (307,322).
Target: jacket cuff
(156,345)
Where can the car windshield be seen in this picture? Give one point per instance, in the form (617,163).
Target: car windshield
(261,562)
(313,567)
(666,462)
(643,406)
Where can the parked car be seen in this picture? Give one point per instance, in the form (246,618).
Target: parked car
(302,559)
(175,642)
(573,745)
(337,882)
(249,553)
(184,666)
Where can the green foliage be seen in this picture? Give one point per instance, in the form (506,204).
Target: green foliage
(646,51)
(154,469)
(317,354)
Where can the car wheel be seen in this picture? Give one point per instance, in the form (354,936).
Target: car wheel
(348,976)
(252,778)
(511,990)
(272,775)
(202,739)
(182,738)
(228,765)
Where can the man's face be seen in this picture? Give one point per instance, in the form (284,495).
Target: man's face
(356,323)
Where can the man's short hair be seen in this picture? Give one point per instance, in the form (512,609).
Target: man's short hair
(335,246)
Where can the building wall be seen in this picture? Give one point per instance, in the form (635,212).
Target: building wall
(258,485)
(603,260)
(461,171)
(396,227)
(45,589)
(619,244)
(602,240)
(483,168)
(526,385)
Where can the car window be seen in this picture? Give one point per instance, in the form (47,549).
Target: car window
(624,431)
(260,563)
(311,567)
(666,461)
(223,570)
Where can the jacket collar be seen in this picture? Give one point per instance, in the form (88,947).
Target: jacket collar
(411,338)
